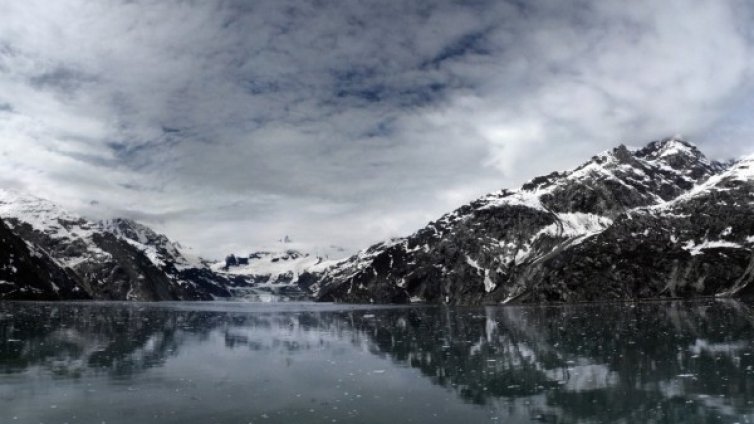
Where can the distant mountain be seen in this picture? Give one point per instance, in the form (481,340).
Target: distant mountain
(287,272)
(660,221)
(116,260)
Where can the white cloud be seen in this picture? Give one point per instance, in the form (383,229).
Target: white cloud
(231,124)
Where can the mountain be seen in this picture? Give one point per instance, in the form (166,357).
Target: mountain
(288,273)
(29,273)
(660,221)
(113,260)
(188,271)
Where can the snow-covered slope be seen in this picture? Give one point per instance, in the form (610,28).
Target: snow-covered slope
(588,233)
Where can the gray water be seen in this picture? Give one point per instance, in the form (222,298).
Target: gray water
(304,363)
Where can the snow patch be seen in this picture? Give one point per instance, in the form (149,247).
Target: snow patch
(488,284)
(473,263)
(576,224)
(529,199)
(696,249)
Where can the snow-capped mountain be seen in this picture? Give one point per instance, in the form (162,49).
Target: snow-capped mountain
(116,259)
(288,268)
(660,221)
(272,276)
(264,267)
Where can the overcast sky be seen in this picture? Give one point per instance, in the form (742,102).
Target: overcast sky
(230,124)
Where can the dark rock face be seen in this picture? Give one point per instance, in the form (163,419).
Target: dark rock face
(204,284)
(28,273)
(127,275)
(662,221)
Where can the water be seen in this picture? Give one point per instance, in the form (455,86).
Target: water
(304,363)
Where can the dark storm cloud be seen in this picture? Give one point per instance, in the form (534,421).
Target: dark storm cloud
(229,123)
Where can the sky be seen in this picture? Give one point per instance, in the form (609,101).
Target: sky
(228,125)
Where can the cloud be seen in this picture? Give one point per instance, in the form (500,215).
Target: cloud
(229,124)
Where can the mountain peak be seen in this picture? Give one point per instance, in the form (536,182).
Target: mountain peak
(680,155)
(128,228)
(670,147)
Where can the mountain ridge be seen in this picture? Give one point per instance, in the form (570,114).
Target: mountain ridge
(511,245)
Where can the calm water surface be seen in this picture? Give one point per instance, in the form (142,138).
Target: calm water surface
(303,363)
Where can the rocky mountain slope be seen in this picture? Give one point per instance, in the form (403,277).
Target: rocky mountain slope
(27,272)
(660,221)
(114,260)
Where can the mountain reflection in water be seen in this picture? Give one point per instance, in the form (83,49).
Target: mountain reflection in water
(238,363)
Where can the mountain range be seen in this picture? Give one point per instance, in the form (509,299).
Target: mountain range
(661,221)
